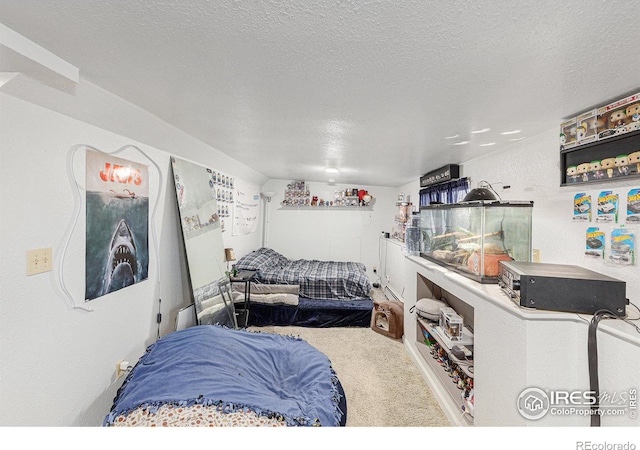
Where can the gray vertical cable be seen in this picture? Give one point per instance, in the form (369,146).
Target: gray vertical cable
(592,349)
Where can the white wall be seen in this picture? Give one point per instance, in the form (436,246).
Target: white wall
(531,168)
(330,233)
(58,363)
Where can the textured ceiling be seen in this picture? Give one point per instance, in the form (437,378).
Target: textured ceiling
(374,88)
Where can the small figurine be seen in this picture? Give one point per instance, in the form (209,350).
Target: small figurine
(634,162)
(608,165)
(617,119)
(621,162)
(563,140)
(583,171)
(572,174)
(596,169)
(633,112)
(581,133)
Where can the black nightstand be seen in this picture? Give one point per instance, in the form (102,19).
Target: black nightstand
(244,276)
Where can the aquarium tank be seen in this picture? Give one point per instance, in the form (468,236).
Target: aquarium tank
(472,237)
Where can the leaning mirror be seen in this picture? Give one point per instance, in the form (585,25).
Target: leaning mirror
(203,245)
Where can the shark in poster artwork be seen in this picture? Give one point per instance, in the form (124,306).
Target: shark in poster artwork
(117,235)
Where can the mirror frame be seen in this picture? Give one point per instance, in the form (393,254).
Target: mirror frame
(203,244)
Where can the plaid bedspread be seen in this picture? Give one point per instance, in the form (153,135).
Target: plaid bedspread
(317,279)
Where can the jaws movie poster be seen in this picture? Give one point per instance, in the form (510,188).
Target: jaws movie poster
(117,238)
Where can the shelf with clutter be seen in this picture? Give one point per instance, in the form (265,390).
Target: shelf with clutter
(444,339)
(298,196)
(602,145)
(403,217)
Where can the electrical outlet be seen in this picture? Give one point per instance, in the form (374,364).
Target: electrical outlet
(39,260)
(119,371)
(121,368)
(535,257)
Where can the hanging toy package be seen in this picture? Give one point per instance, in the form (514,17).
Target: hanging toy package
(633,206)
(622,246)
(594,243)
(582,207)
(607,207)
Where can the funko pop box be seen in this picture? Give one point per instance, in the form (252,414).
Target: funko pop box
(619,117)
(613,119)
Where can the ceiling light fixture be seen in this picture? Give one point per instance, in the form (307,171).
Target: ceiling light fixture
(452,137)
(488,144)
(516,139)
(331,170)
(484,130)
(461,143)
(511,132)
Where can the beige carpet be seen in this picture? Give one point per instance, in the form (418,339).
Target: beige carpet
(382,385)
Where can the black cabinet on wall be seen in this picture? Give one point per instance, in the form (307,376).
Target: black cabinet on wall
(601,161)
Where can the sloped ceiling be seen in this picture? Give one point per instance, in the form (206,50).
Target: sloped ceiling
(377,89)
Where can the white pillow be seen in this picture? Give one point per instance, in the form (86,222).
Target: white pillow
(429,308)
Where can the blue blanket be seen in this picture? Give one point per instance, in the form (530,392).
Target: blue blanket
(270,374)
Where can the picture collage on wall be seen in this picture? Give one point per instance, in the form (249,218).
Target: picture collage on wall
(617,247)
(223,187)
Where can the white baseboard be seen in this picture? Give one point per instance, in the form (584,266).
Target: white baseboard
(391,294)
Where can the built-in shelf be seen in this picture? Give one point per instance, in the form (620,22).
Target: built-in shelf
(445,380)
(453,395)
(433,330)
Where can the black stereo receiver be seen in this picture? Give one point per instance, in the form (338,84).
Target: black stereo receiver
(558,287)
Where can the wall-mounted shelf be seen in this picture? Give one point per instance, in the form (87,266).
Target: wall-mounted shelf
(608,149)
(329,208)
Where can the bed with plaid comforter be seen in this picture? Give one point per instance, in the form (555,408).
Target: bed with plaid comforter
(335,280)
